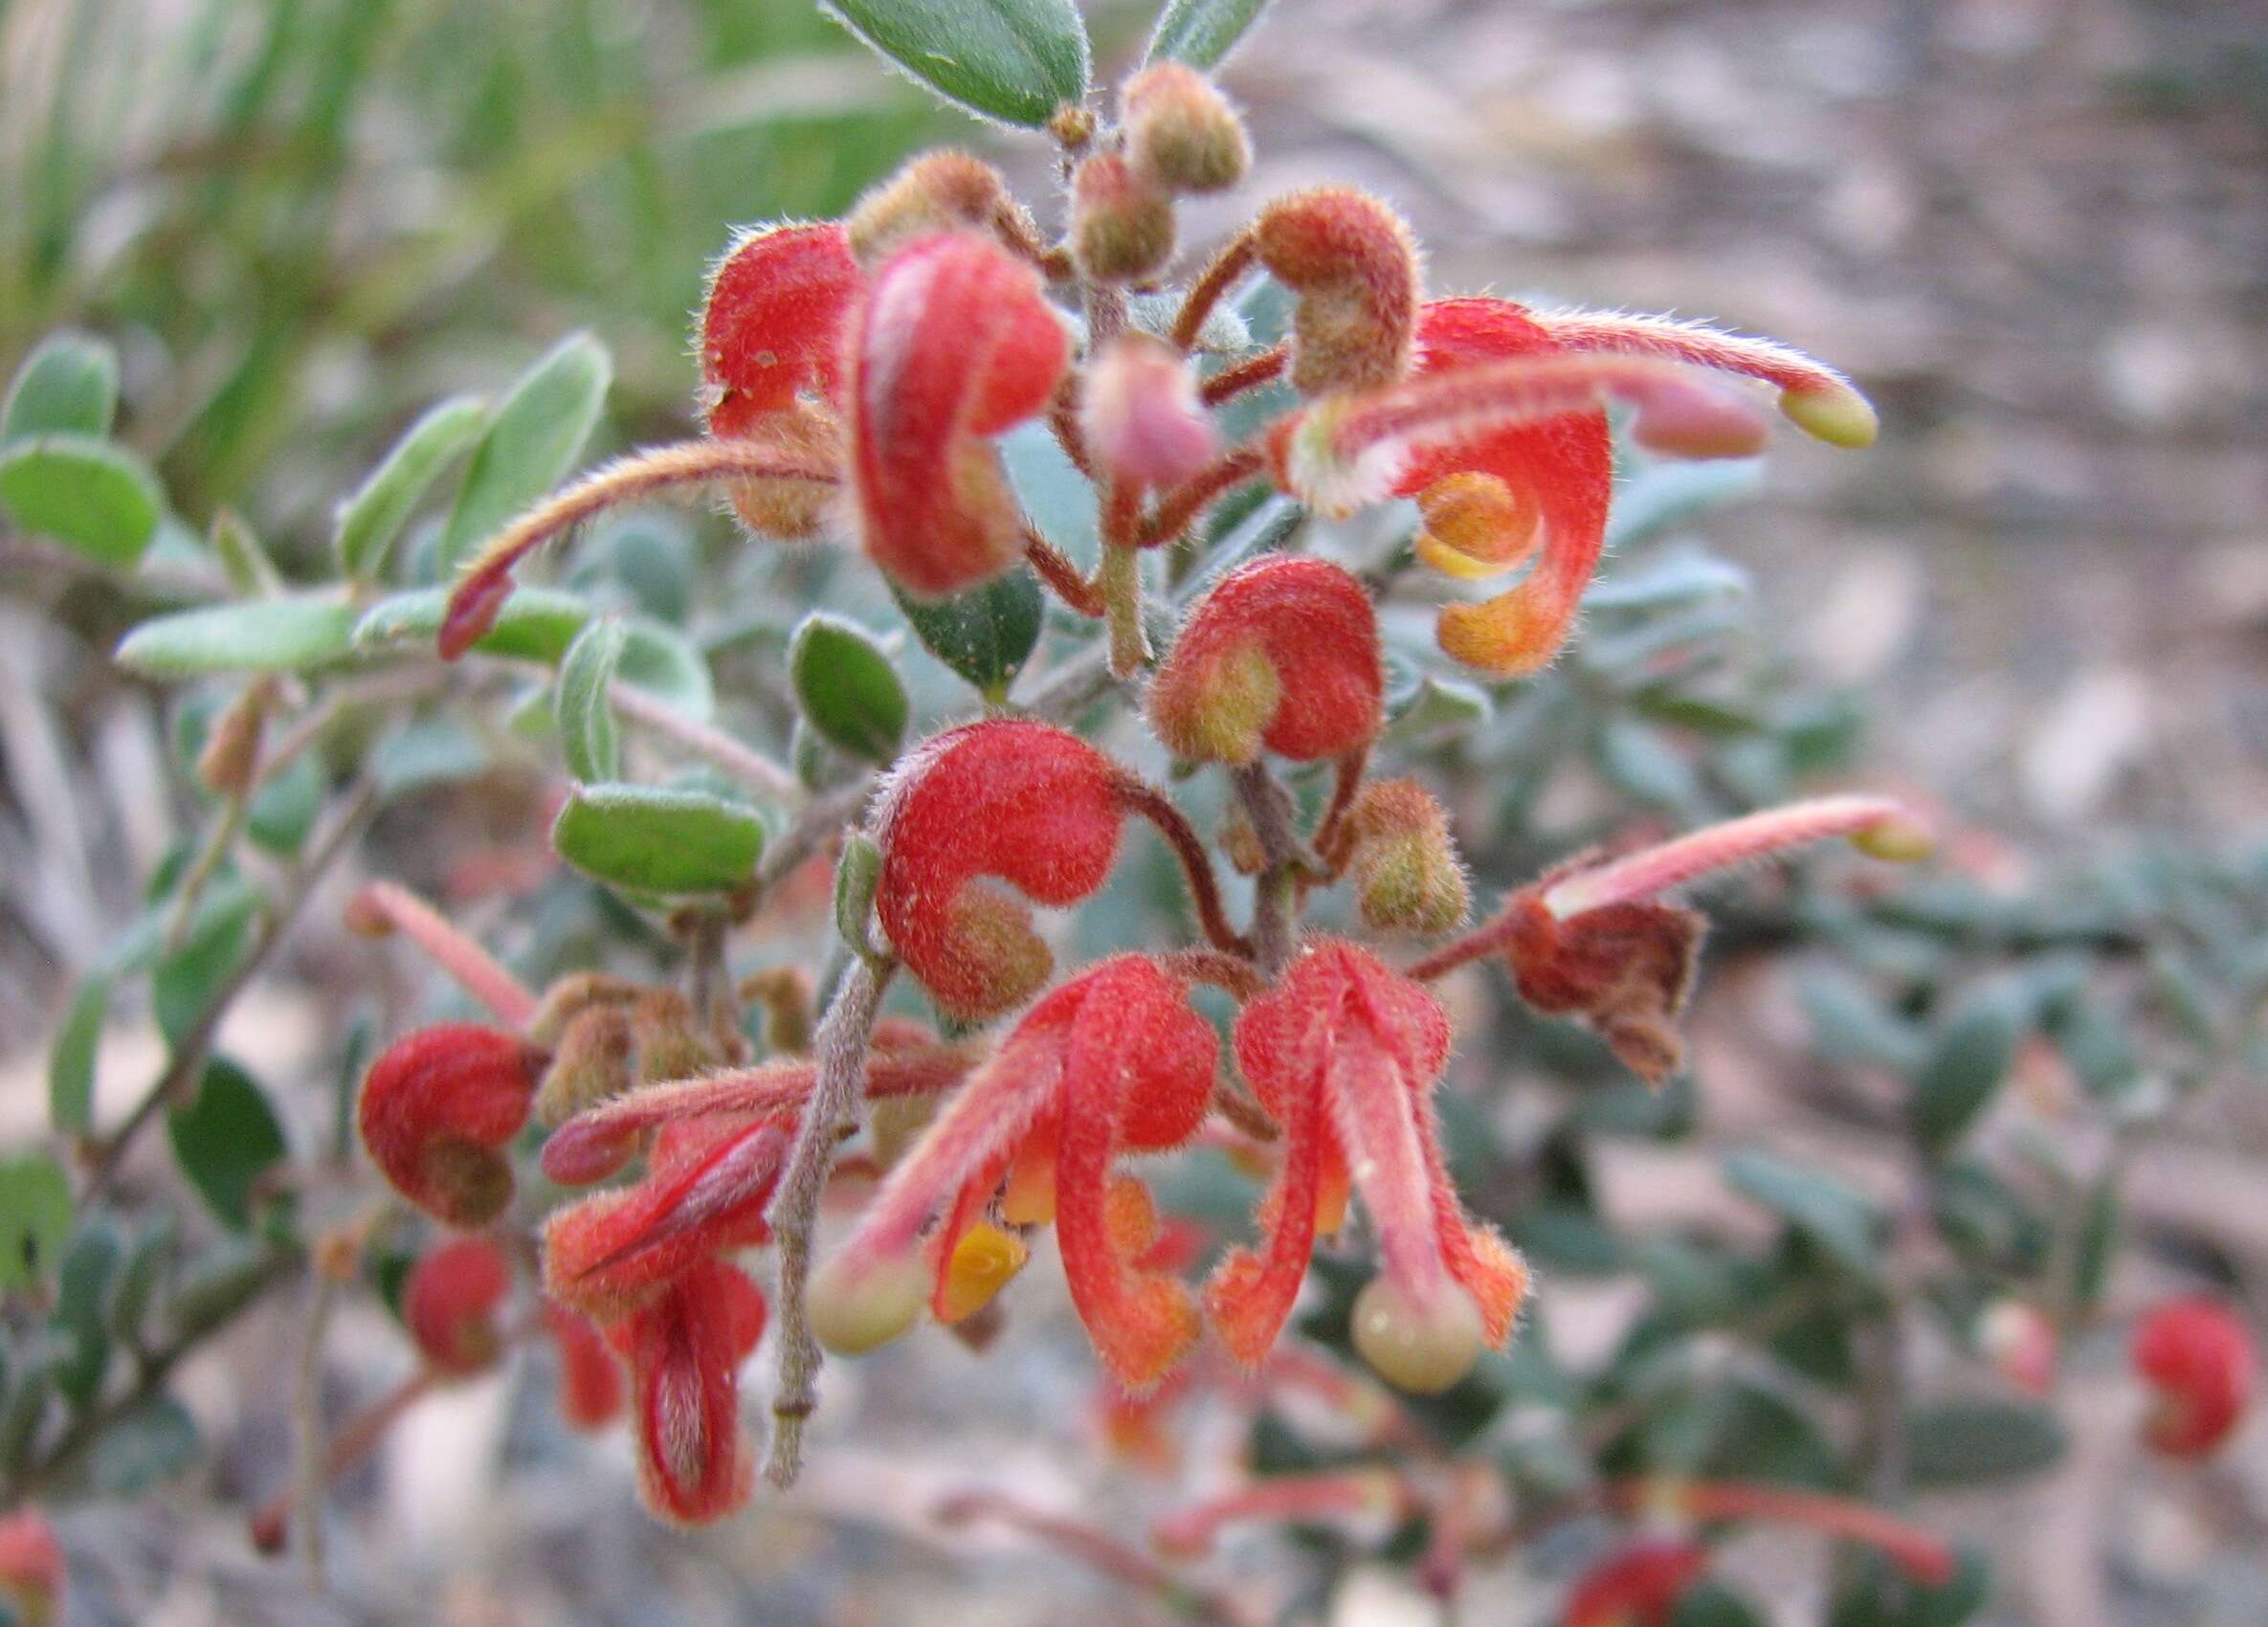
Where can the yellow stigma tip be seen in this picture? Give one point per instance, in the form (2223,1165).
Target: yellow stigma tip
(1838,415)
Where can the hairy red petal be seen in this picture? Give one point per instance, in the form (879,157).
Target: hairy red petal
(589,1378)
(435,1108)
(684,1353)
(450,1301)
(2201,1359)
(771,326)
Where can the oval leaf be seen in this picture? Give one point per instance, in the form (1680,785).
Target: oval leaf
(369,519)
(653,839)
(1962,1443)
(289,635)
(226,1140)
(1014,61)
(583,706)
(849,692)
(986,634)
(99,499)
(34,1217)
(530,444)
(68,385)
(1971,1055)
(71,1062)
(1201,32)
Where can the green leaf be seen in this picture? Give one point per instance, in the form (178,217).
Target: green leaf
(149,1444)
(251,572)
(149,1262)
(664,663)
(35,1218)
(83,1289)
(1844,1222)
(535,623)
(437,751)
(653,839)
(2097,1245)
(188,977)
(1972,1054)
(1850,1025)
(855,875)
(986,634)
(583,706)
(71,1062)
(374,515)
(1014,61)
(1201,32)
(289,635)
(847,688)
(68,385)
(1440,708)
(1711,1604)
(226,1140)
(220,1283)
(99,499)
(1643,763)
(1964,1442)
(532,441)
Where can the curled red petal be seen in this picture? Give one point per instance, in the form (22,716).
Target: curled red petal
(771,325)
(437,1108)
(450,1301)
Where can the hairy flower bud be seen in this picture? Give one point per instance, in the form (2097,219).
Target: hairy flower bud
(1354,265)
(1407,875)
(953,344)
(1004,800)
(438,1109)
(942,190)
(589,1378)
(2200,1359)
(1180,131)
(230,762)
(1282,653)
(32,1570)
(684,1351)
(1143,420)
(1122,221)
(450,1301)
(593,1061)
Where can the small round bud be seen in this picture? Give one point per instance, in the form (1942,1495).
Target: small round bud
(592,1063)
(855,1308)
(2200,1358)
(1477,527)
(1142,419)
(32,1569)
(450,1301)
(947,190)
(1122,222)
(1180,131)
(2020,1342)
(1406,870)
(671,1044)
(1421,1347)
(985,1260)
(1354,266)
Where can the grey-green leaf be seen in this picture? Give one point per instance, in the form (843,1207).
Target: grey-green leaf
(1963,1443)
(371,519)
(985,634)
(286,634)
(1843,1222)
(857,873)
(226,1140)
(532,441)
(34,1217)
(848,691)
(71,1062)
(1972,1054)
(582,704)
(98,498)
(68,385)
(1201,32)
(1014,61)
(653,839)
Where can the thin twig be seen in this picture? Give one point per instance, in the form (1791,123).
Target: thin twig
(1268,806)
(743,762)
(308,1469)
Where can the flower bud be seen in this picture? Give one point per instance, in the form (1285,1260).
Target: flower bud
(570,996)
(1122,222)
(782,994)
(1406,871)
(1007,800)
(1282,653)
(782,507)
(2200,1358)
(592,1063)
(945,191)
(1354,267)
(589,1378)
(32,1569)
(1180,131)
(230,762)
(1142,419)
(2020,1342)
(449,1302)
(670,1043)
(437,1110)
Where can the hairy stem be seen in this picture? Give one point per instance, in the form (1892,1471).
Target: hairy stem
(388,906)
(743,762)
(1197,866)
(1049,563)
(1180,506)
(1251,373)
(1215,281)
(1276,891)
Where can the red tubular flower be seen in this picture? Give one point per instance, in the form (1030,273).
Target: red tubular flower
(1113,1061)
(2200,1359)
(1281,653)
(1638,1585)
(1345,1052)
(684,1351)
(1023,802)
(438,1107)
(709,1183)
(32,1571)
(953,344)
(771,326)
(589,1378)
(449,1302)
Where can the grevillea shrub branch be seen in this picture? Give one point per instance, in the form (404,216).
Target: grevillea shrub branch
(1142,781)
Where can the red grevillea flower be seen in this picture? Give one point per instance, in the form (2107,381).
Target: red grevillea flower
(1345,1052)
(684,1351)
(437,1110)
(1142,419)
(2200,1359)
(771,326)
(1638,1585)
(1280,654)
(1113,1061)
(708,1182)
(32,1569)
(1593,940)
(449,1302)
(1003,799)
(955,343)
(589,1378)
(1354,265)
